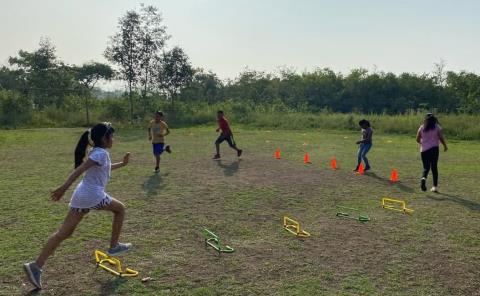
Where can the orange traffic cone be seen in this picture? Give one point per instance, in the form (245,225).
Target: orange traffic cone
(306,159)
(394,176)
(277,154)
(333,163)
(361,169)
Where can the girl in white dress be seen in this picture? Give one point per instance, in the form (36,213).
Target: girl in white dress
(89,194)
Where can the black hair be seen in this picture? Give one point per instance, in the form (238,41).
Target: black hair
(92,137)
(159,113)
(364,122)
(430,122)
(220,112)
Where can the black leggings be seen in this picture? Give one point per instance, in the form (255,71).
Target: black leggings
(430,161)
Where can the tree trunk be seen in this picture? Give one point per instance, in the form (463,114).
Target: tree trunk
(86,110)
(172,97)
(144,95)
(131,101)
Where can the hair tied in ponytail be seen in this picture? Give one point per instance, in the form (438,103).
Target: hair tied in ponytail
(90,141)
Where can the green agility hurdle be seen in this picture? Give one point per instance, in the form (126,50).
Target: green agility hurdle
(345,212)
(212,240)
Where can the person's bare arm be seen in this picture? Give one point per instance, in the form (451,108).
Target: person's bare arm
(60,191)
(149,134)
(167,132)
(419,137)
(117,165)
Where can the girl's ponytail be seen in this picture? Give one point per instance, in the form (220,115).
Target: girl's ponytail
(81,148)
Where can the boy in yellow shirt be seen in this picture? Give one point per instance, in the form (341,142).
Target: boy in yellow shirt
(157,130)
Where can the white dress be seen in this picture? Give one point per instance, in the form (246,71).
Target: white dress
(91,190)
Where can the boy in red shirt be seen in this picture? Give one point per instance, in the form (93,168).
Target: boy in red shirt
(226,135)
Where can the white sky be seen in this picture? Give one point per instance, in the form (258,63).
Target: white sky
(227,36)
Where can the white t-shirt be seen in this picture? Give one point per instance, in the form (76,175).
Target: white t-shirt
(91,190)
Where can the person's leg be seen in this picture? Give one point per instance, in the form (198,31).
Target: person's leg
(434,165)
(219,140)
(426,168)
(359,156)
(118,210)
(157,161)
(231,142)
(66,230)
(366,148)
(233,145)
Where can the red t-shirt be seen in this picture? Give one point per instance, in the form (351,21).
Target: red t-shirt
(223,124)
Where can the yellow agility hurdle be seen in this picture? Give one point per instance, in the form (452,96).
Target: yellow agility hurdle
(293,227)
(390,204)
(102,258)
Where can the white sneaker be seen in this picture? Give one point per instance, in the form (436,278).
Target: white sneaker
(434,189)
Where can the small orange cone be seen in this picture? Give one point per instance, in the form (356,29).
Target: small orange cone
(306,159)
(361,169)
(333,163)
(394,176)
(277,154)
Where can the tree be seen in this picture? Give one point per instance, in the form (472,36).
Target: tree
(174,72)
(153,37)
(204,87)
(88,75)
(125,51)
(42,76)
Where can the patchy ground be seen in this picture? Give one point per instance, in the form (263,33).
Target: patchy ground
(434,251)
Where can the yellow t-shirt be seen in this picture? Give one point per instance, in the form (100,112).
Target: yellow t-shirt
(157,131)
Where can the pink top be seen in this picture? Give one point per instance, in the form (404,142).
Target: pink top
(429,139)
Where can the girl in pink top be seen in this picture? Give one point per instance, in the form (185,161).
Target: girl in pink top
(429,136)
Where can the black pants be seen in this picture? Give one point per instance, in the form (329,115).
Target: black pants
(430,161)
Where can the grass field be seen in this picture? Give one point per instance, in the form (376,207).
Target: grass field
(434,251)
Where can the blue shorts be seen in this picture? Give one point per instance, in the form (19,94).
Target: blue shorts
(158,148)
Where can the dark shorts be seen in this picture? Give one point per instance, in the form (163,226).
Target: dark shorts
(158,148)
(228,138)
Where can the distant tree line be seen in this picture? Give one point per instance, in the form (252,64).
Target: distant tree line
(155,75)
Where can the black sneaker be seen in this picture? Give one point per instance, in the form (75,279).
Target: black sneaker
(167,148)
(239,152)
(216,156)
(368,168)
(157,169)
(423,184)
(34,274)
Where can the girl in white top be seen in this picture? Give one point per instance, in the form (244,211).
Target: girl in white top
(89,194)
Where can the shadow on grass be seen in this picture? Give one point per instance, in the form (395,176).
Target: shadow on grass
(399,185)
(474,206)
(35,291)
(110,287)
(229,169)
(153,185)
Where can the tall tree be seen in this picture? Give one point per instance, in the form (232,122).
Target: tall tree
(42,76)
(88,75)
(153,37)
(174,72)
(125,51)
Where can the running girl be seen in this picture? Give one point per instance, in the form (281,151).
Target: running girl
(89,194)
(429,136)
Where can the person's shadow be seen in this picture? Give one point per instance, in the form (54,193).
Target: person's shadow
(399,185)
(474,206)
(229,169)
(153,185)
